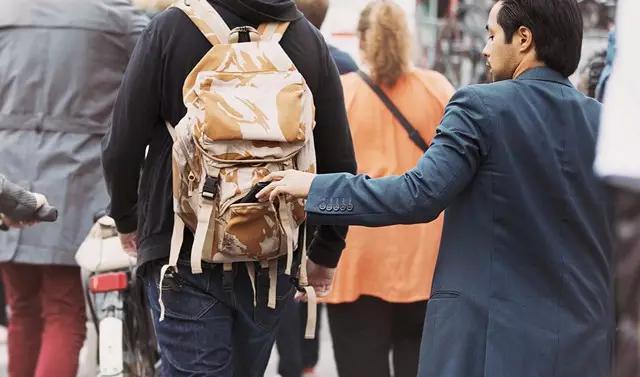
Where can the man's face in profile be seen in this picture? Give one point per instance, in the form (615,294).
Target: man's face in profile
(502,57)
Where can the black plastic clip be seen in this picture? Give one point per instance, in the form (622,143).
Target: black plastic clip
(210,188)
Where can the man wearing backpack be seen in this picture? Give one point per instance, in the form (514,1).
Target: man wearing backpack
(214,317)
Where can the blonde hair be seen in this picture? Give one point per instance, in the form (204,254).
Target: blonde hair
(385,40)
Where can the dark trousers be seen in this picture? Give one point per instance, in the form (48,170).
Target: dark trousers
(47,324)
(364,332)
(211,329)
(297,353)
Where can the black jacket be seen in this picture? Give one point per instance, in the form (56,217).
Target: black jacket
(151,92)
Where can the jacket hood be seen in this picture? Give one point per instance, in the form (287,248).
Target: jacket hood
(263,10)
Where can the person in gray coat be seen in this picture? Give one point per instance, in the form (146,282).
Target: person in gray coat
(62,64)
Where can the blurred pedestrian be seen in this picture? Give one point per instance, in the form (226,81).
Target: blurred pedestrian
(591,73)
(608,67)
(62,63)
(372,310)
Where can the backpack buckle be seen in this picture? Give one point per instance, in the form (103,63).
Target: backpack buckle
(295,281)
(210,187)
(243,34)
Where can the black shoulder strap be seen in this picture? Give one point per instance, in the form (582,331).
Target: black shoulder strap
(413,133)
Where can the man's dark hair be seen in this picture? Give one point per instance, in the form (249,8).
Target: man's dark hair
(556,26)
(314,10)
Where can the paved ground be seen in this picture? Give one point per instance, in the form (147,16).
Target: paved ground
(325,368)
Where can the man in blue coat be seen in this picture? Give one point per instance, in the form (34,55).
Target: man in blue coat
(523,283)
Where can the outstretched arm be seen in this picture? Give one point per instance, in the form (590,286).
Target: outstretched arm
(417,196)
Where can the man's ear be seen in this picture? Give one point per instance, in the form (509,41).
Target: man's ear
(524,36)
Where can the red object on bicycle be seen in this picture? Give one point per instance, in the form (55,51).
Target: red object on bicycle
(109,282)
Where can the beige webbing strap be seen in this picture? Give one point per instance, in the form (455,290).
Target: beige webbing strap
(312,299)
(172,131)
(204,219)
(273,283)
(312,313)
(287,225)
(207,19)
(208,240)
(163,271)
(273,30)
(177,237)
(176,243)
(304,281)
(251,270)
(176,240)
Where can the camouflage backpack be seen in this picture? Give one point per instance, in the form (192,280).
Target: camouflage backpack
(249,113)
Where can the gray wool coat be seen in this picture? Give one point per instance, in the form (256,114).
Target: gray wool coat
(61,63)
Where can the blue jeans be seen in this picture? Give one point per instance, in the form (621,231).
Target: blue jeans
(212,329)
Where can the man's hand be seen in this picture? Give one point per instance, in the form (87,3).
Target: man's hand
(320,278)
(129,243)
(290,182)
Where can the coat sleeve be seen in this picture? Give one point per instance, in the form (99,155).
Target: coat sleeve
(16,202)
(419,195)
(135,116)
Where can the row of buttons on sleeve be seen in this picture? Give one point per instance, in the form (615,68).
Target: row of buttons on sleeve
(335,205)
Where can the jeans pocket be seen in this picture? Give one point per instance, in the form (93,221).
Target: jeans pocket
(185,296)
(264,316)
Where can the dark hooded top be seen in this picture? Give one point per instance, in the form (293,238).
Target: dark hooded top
(151,92)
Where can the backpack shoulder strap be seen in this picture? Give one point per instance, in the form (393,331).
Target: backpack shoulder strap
(206,19)
(414,135)
(273,30)
(172,131)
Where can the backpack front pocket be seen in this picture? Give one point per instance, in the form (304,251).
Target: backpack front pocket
(251,230)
